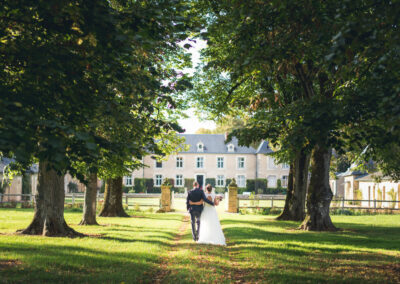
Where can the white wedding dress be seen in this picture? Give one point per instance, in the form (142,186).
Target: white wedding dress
(210,227)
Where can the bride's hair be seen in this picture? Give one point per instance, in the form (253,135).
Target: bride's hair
(209,188)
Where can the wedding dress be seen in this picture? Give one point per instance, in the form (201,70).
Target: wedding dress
(210,227)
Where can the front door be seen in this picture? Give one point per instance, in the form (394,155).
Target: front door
(200,180)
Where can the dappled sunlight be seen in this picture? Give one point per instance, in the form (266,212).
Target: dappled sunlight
(159,248)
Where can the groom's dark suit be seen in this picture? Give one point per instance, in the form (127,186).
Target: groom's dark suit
(196,195)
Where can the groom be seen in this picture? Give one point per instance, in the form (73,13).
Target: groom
(195,195)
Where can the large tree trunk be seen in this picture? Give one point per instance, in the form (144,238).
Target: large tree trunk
(113,199)
(297,188)
(319,193)
(49,207)
(89,208)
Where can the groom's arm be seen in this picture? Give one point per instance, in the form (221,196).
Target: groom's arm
(205,199)
(187,203)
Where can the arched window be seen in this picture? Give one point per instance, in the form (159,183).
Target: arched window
(231,148)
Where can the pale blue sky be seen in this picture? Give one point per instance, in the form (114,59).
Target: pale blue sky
(192,123)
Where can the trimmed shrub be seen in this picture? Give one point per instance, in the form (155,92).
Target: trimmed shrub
(220,190)
(72,187)
(279,183)
(275,191)
(189,183)
(143,185)
(250,185)
(103,186)
(179,189)
(227,182)
(126,189)
(241,190)
(210,181)
(259,184)
(154,190)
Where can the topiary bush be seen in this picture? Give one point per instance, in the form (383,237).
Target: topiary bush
(210,181)
(143,185)
(72,187)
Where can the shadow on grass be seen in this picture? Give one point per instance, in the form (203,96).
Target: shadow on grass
(271,251)
(69,264)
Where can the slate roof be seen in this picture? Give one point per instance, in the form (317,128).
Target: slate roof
(372,177)
(264,148)
(215,144)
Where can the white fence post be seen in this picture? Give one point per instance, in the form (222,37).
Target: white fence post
(343,203)
(73,199)
(272,202)
(126,199)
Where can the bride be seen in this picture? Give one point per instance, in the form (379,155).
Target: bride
(210,227)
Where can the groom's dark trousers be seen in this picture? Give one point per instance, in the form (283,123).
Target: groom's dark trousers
(196,195)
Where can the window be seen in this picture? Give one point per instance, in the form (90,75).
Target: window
(231,148)
(179,180)
(220,180)
(179,162)
(200,147)
(158,180)
(128,180)
(271,181)
(200,162)
(285,166)
(240,162)
(241,181)
(220,162)
(284,181)
(158,164)
(271,163)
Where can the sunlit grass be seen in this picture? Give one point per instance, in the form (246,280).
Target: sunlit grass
(121,250)
(259,249)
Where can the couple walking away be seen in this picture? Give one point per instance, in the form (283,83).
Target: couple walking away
(206,228)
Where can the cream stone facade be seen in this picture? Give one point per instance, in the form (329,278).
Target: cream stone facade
(380,194)
(209,157)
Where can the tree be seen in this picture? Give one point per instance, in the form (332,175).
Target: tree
(90,202)
(64,64)
(282,60)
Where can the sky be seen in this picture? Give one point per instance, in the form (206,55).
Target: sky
(192,123)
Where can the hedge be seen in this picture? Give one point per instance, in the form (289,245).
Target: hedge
(155,190)
(261,185)
(143,185)
(189,183)
(210,181)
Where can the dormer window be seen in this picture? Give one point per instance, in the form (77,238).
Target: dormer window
(231,148)
(200,147)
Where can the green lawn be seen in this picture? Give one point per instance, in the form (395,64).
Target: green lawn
(259,249)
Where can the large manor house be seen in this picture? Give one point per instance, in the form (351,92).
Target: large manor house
(209,157)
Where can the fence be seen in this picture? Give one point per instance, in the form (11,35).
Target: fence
(245,201)
(278,201)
